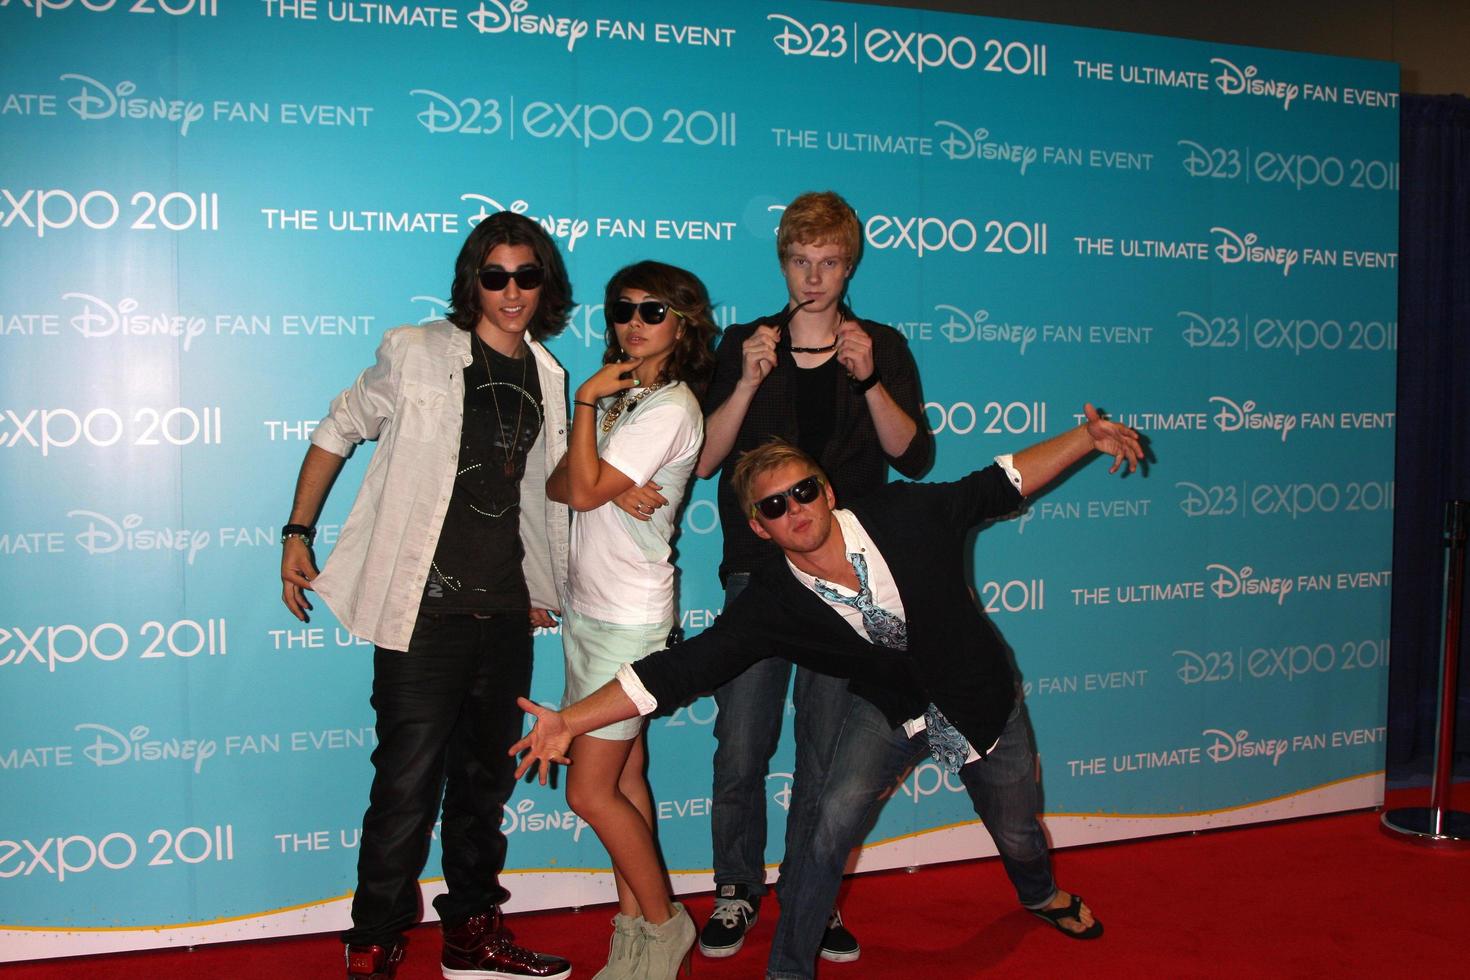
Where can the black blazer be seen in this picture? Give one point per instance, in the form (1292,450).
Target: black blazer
(955,658)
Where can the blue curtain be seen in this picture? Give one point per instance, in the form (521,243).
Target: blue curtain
(1432,457)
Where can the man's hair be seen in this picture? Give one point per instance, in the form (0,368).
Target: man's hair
(770,455)
(508,228)
(692,360)
(820,218)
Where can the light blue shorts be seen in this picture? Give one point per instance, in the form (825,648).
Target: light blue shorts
(594,651)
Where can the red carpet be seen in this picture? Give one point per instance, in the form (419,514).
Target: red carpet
(1329,896)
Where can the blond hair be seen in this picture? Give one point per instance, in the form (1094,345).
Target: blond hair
(770,455)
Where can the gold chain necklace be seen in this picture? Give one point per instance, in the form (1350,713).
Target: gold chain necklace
(515,434)
(624,403)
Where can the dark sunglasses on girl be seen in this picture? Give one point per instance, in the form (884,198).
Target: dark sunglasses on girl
(526,277)
(802,491)
(650,311)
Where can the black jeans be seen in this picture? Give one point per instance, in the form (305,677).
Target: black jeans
(446,716)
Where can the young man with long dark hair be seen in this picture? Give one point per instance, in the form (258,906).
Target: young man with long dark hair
(449,558)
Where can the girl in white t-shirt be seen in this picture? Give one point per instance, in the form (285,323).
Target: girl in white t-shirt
(637,429)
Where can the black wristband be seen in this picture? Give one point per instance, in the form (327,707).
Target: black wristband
(861,387)
(302,531)
(591,405)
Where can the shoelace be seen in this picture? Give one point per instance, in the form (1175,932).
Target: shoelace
(728,910)
(835,921)
(505,947)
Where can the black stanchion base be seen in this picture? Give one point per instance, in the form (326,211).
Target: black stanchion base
(1427,826)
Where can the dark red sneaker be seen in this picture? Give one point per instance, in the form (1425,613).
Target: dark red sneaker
(482,948)
(373,962)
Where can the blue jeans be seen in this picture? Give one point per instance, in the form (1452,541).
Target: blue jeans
(868,759)
(747,728)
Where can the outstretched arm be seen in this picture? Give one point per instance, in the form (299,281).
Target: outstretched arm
(1043,462)
(665,677)
(549,737)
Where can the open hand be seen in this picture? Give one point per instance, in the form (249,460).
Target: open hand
(545,743)
(1112,439)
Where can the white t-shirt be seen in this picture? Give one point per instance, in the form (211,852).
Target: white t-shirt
(620,568)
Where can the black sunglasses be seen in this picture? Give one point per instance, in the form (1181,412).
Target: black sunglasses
(802,491)
(526,277)
(650,311)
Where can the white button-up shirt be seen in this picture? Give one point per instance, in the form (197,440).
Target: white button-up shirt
(412,400)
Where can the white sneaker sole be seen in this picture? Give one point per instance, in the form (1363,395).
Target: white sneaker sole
(719,953)
(832,957)
(497,975)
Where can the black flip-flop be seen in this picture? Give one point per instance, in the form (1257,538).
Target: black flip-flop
(1054,917)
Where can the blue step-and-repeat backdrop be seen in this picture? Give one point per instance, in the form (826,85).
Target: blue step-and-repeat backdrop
(211,211)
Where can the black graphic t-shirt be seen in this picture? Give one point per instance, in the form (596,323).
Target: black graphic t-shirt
(477,564)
